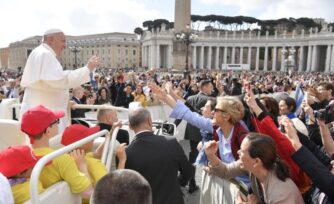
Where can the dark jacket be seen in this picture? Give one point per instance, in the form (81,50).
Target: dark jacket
(120,95)
(319,174)
(122,135)
(78,113)
(197,102)
(159,159)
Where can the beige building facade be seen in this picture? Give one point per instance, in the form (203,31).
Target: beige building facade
(214,50)
(117,50)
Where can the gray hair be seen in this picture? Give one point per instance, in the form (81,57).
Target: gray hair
(138,116)
(122,186)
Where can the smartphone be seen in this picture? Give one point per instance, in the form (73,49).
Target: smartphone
(282,129)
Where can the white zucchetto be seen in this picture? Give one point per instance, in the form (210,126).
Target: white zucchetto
(52,31)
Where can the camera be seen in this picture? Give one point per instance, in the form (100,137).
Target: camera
(325,114)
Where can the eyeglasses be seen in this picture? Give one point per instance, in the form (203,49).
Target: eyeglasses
(54,122)
(220,110)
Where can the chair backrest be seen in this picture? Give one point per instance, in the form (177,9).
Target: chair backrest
(11,133)
(111,147)
(58,193)
(6,109)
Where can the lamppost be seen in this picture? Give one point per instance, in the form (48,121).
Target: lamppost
(187,37)
(288,57)
(75,49)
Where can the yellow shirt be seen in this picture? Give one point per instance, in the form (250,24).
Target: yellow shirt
(62,168)
(95,168)
(141,98)
(21,192)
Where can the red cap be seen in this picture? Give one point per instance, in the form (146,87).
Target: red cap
(77,132)
(16,159)
(37,119)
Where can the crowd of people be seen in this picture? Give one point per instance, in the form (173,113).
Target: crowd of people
(260,137)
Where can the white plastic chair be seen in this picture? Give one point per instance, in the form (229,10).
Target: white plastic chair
(49,198)
(11,133)
(58,193)
(6,108)
(108,150)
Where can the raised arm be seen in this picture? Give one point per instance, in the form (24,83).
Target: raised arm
(326,137)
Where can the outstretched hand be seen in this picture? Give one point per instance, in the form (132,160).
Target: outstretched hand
(93,62)
(291,131)
(157,91)
(211,148)
(250,98)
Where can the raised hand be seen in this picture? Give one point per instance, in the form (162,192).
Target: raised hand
(121,155)
(157,91)
(211,148)
(93,62)
(291,131)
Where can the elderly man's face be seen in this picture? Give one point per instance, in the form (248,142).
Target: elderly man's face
(57,42)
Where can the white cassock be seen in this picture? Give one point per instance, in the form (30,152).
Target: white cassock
(48,84)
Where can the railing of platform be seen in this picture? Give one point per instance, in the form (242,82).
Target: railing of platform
(45,159)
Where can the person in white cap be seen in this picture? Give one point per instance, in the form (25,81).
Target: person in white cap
(44,79)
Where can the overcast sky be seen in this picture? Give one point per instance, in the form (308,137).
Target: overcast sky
(25,18)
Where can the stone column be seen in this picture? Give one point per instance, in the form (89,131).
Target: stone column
(314,59)
(169,48)
(328,58)
(194,57)
(257,58)
(182,15)
(249,57)
(282,60)
(202,58)
(147,55)
(301,59)
(143,56)
(209,58)
(332,61)
(157,57)
(274,59)
(225,55)
(265,65)
(217,58)
(233,55)
(150,54)
(309,58)
(241,55)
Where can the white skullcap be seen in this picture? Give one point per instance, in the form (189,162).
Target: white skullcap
(52,31)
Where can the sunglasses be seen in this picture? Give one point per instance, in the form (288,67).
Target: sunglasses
(54,122)
(220,110)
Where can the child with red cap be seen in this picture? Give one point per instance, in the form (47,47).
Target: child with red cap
(16,163)
(96,169)
(41,124)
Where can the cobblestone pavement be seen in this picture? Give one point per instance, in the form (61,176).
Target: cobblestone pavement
(194,197)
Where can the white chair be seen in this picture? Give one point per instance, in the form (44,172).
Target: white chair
(58,193)
(109,150)
(11,134)
(6,109)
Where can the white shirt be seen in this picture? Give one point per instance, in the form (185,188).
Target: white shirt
(47,83)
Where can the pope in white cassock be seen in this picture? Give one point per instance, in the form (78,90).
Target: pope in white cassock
(46,82)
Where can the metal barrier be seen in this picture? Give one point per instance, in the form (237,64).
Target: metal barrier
(45,159)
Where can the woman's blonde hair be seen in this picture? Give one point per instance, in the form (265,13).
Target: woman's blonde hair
(232,106)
